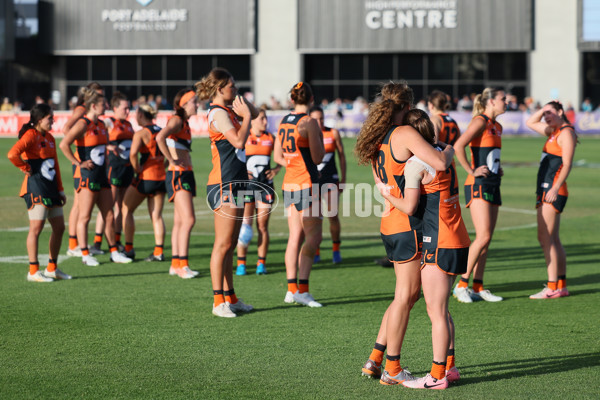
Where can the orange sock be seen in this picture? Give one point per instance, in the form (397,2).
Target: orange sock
(72,242)
(34,267)
(477,285)
(85,252)
(241,261)
(97,239)
(552,285)
(392,365)
(128,246)
(449,362)
(303,285)
(175,262)
(158,250)
(218,297)
(292,285)
(118,237)
(318,252)
(336,246)
(230,296)
(112,248)
(183,262)
(438,370)
(261,260)
(562,282)
(463,283)
(51,265)
(377,356)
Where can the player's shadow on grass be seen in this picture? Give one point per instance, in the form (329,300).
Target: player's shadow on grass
(532,286)
(120,275)
(521,256)
(527,367)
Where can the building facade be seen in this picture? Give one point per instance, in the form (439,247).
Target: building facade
(345,48)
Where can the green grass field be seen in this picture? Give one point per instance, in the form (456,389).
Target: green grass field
(132,331)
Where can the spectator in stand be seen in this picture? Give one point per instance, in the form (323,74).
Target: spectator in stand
(160,103)
(587,105)
(39,100)
(464,104)
(512,104)
(275,104)
(151,101)
(570,113)
(6,105)
(72,103)
(422,105)
(17,106)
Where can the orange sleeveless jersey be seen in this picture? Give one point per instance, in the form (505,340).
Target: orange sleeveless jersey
(443,226)
(259,145)
(181,138)
(92,146)
(39,153)
(551,163)
(121,130)
(300,171)
(391,173)
(485,150)
(449,130)
(227,166)
(152,160)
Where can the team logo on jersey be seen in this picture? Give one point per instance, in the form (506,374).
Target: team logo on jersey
(144,2)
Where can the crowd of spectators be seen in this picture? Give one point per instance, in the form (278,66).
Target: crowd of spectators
(340,106)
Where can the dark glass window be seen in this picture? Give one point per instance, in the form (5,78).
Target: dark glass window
(238,66)
(373,92)
(201,65)
(350,92)
(418,91)
(441,66)
(72,91)
(507,66)
(468,88)
(171,92)
(410,66)
(381,66)
(77,68)
(321,92)
(177,68)
(127,68)
(318,67)
(130,91)
(471,66)
(448,89)
(102,68)
(151,90)
(351,67)
(152,68)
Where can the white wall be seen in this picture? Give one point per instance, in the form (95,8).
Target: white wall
(277,63)
(555,63)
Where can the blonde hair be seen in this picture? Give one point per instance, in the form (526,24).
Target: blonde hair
(147,110)
(207,87)
(481,100)
(91,96)
(394,97)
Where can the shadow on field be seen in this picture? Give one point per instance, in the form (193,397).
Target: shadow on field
(334,301)
(532,256)
(530,366)
(537,285)
(120,275)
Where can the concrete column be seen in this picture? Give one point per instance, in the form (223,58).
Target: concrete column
(555,68)
(277,63)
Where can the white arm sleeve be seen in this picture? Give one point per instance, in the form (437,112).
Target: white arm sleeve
(220,120)
(412,174)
